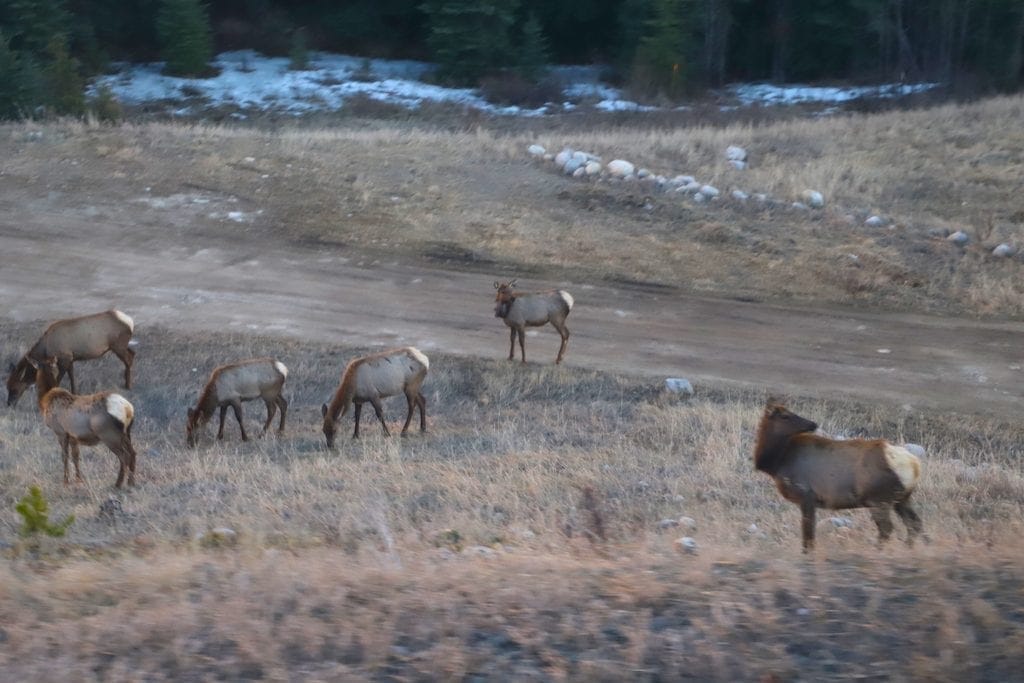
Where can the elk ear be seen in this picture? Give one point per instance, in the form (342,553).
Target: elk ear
(32,361)
(191,413)
(514,281)
(497,285)
(323,410)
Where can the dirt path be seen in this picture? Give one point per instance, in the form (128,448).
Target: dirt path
(163,276)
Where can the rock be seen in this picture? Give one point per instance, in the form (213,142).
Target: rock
(592,168)
(688,523)
(683,180)
(692,186)
(581,157)
(916,448)
(620,168)
(839,522)
(740,195)
(709,191)
(753,529)
(536,150)
(562,157)
(699,198)
(959,238)
(813,198)
(219,537)
(572,165)
(480,551)
(549,157)
(579,172)
(800,206)
(738,165)
(874,222)
(735,153)
(1004,250)
(642,173)
(110,508)
(668,523)
(760,197)
(940,233)
(687,545)
(678,385)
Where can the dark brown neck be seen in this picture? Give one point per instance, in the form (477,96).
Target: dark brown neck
(45,381)
(770,450)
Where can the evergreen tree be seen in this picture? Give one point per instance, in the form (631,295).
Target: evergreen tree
(468,38)
(31,24)
(12,90)
(298,55)
(533,50)
(64,85)
(184,30)
(660,63)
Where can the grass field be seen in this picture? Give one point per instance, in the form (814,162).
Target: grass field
(520,538)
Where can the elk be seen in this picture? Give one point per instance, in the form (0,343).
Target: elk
(90,419)
(376,376)
(815,471)
(83,338)
(231,385)
(520,311)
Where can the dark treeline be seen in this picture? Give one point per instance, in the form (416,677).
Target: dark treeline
(655,47)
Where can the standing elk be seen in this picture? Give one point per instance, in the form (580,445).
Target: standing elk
(230,385)
(91,419)
(73,339)
(814,471)
(520,311)
(376,376)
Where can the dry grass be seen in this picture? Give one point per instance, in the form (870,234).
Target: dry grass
(468,196)
(519,538)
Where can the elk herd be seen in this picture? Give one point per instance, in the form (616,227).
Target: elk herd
(809,469)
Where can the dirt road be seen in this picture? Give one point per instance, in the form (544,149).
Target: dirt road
(57,263)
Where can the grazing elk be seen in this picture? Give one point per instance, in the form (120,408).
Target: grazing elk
(376,376)
(814,471)
(73,339)
(91,419)
(520,311)
(230,385)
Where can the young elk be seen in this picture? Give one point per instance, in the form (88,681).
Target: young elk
(74,339)
(230,385)
(104,417)
(817,472)
(520,311)
(377,376)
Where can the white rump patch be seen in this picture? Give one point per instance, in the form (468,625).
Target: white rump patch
(567,298)
(281,368)
(905,464)
(420,357)
(120,409)
(126,319)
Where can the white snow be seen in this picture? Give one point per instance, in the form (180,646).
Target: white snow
(250,81)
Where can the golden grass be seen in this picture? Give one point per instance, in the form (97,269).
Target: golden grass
(473,551)
(470,197)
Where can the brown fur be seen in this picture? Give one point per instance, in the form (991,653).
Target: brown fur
(522,310)
(373,377)
(817,472)
(233,384)
(85,420)
(83,338)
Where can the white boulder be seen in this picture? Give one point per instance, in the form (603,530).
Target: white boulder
(620,168)
(1004,250)
(874,222)
(562,157)
(536,150)
(959,238)
(735,153)
(740,195)
(737,164)
(592,168)
(813,198)
(709,191)
(679,385)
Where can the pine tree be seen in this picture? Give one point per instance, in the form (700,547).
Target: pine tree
(64,85)
(468,38)
(533,50)
(660,63)
(12,91)
(298,54)
(184,30)
(31,24)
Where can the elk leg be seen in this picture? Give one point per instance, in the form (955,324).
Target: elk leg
(127,357)
(422,402)
(71,376)
(910,520)
(808,508)
(131,458)
(358,415)
(271,411)
(237,407)
(124,459)
(512,343)
(223,412)
(564,332)
(375,402)
(522,341)
(410,403)
(74,457)
(282,403)
(883,521)
(64,456)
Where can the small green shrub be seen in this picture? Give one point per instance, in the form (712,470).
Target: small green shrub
(105,106)
(34,512)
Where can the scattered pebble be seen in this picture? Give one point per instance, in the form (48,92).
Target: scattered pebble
(679,385)
(1004,250)
(813,198)
(874,222)
(959,238)
(687,544)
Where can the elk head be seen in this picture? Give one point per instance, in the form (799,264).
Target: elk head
(785,423)
(505,297)
(193,424)
(329,426)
